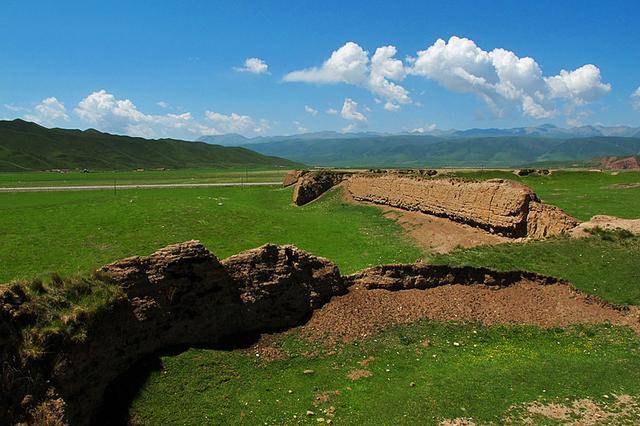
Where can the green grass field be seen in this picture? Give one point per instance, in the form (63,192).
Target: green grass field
(74,232)
(486,372)
(488,376)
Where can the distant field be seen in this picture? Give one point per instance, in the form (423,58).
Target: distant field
(76,178)
(73,232)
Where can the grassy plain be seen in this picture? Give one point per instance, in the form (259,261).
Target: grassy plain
(73,232)
(487,376)
(465,371)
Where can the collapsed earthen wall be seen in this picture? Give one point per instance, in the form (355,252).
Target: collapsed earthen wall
(179,295)
(292,177)
(184,295)
(499,206)
(311,185)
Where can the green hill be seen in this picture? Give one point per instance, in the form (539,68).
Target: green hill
(28,146)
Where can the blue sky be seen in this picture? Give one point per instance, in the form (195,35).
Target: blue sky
(177,68)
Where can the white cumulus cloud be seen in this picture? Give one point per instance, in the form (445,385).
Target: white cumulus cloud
(311,110)
(503,80)
(236,123)
(103,110)
(254,66)
(48,112)
(425,129)
(635,99)
(350,64)
(581,85)
(350,111)
(331,111)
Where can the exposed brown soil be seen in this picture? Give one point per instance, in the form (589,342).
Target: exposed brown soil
(359,374)
(606,222)
(621,163)
(621,410)
(439,235)
(435,234)
(361,313)
(183,295)
(624,409)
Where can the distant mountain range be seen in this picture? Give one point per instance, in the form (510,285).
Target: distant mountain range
(28,146)
(540,145)
(545,130)
(432,151)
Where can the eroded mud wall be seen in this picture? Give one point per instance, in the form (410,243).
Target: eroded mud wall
(499,206)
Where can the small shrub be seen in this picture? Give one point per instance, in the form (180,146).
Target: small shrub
(616,234)
(36,286)
(56,280)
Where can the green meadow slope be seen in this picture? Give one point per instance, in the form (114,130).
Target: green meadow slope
(28,146)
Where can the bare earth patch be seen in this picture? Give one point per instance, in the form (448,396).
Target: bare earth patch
(624,409)
(361,313)
(439,235)
(359,374)
(606,222)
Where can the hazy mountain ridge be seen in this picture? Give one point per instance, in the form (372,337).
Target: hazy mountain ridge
(544,130)
(414,150)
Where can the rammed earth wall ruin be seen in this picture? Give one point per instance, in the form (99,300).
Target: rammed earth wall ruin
(499,206)
(182,295)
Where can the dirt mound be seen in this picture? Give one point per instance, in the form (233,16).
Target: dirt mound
(440,235)
(311,185)
(608,223)
(498,206)
(180,295)
(361,312)
(423,276)
(292,177)
(621,163)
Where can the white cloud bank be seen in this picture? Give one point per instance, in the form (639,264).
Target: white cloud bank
(499,77)
(350,111)
(236,123)
(254,66)
(48,112)
(350,64)
(635,99)
(311,110)
(427,128)
(503,80)
(104,110)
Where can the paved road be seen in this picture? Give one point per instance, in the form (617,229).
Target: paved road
(134,186)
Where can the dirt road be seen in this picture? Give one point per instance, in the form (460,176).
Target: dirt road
(134,186)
